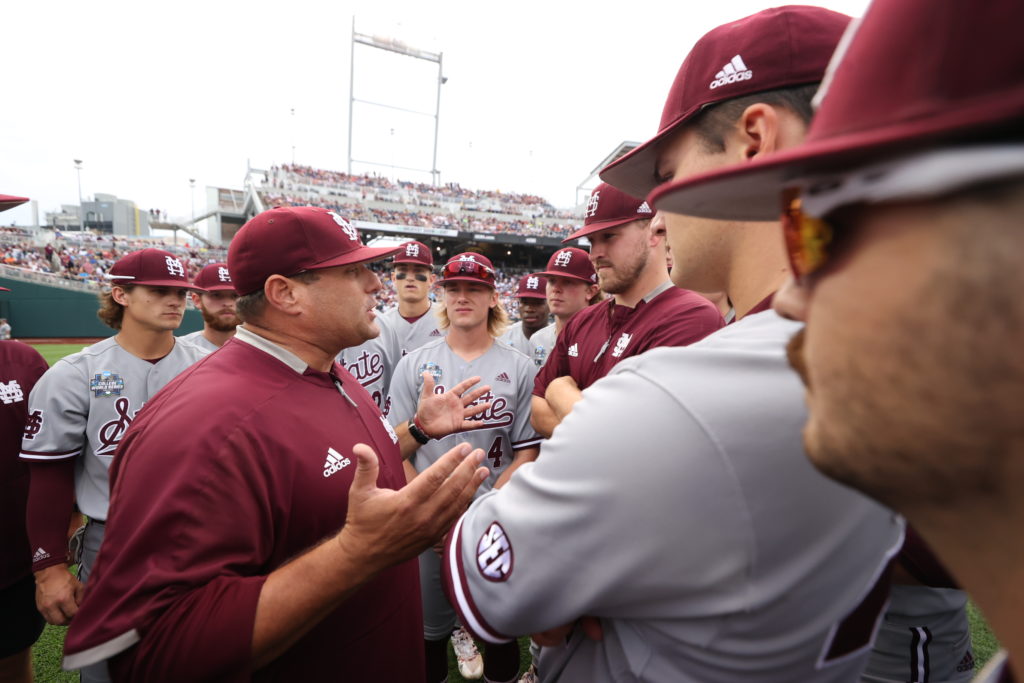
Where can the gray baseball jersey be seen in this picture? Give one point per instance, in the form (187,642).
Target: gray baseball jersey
(924,638)
(676,504)
(373,362)
(517,339)
(542,343)
(83,404)
(199,340)
(510,375)
(413,335)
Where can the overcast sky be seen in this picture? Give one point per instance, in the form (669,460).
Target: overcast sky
(149,95)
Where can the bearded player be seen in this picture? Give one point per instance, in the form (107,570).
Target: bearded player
(215,297)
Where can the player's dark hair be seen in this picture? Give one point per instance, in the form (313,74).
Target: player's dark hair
(250,307)
(714,123)
(111,312)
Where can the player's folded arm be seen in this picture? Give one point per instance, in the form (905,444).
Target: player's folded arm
(611,522)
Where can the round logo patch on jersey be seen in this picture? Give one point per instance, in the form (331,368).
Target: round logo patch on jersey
(105,384)
(494,554)
(433,368)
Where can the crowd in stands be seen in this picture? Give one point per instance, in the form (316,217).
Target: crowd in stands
(85,257)
(488,200)
(426,219)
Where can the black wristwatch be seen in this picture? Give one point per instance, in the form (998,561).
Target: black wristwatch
(417,433)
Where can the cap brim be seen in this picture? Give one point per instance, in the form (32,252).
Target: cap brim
(360,255)
(601,225)
(541,297)
(154,283)
(216,288)
(9,202)
(465,278)
(550,273)
(636,173)
(412,262)
(4,289)
(750,191)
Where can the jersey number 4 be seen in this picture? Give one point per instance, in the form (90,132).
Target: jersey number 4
(495,453)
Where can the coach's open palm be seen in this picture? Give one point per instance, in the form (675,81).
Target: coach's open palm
(384,526)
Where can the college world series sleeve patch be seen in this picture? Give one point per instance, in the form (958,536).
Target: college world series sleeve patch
(494,556)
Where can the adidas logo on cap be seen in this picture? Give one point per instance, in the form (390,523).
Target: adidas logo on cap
(644,208)
(735,70)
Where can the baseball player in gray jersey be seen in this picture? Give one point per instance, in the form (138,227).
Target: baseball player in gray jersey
(734,559)
(215,297)
(473,317)
(533,314)
(81,407)
(414,320)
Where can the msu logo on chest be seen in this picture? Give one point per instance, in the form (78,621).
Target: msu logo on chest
(11,392)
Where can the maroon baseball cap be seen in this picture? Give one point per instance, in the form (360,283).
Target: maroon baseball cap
(288,240)
(573,263)
(153,267)
(532,286)
(8,201)
(780,47)
(468,267)
(415,253)
(214,278)
(4,289)
(609,207)
(888,93)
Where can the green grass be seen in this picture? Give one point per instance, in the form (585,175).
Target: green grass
(54,352)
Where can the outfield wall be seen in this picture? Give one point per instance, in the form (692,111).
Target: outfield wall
(35,310)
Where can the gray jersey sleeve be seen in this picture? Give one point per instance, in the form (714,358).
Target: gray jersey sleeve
(372,363)
(403,392)
(59,412)
(523,434)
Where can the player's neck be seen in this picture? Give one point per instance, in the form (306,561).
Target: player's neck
(313,352)
(143,342)
(975,543)
(216,337)
(758,267)
(650,279)
(469,343)
(413,309)
(530,331)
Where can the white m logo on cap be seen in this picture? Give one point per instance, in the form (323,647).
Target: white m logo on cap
(346,228)
(562,258)
(174,266)
(412,250)
(592,204)
(223,275)
(532,282)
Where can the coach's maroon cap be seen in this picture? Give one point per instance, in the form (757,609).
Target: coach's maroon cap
(10,201)
(4,289)
(468,267)
(888,93)
(573,263)
(214,278)
(609,207)
(780,47)
(153,267)
(291,239)
(532,286)
(415,253)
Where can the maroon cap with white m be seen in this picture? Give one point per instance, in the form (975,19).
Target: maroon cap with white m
(609,207)
(415,253)
(291,239)
(571,262)
(153,267)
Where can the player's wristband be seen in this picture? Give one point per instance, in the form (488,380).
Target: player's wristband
(416,429)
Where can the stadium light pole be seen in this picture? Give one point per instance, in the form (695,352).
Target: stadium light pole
(81,210)
(192,188)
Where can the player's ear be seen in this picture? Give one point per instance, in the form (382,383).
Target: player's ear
(119,294)
(760,129)
(283,293)
(196,299)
